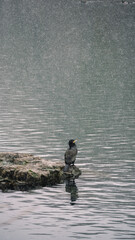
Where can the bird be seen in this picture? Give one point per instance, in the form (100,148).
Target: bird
(70,155)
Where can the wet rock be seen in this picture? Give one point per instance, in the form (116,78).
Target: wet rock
(20,171)
(73,172)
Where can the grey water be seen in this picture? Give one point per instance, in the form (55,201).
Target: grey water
(67,70)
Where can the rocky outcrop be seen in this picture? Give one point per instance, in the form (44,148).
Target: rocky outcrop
(20,171)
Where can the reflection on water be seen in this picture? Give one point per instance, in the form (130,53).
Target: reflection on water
(70,187)
(67,71)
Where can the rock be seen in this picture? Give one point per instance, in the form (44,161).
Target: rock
(22,171)
(73,172)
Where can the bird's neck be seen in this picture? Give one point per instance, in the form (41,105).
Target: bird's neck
(70,147)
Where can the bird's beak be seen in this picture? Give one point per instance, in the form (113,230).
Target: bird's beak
(74,141)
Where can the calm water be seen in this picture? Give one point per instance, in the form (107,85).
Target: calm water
(67,71)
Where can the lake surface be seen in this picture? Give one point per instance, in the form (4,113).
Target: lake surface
(67,71)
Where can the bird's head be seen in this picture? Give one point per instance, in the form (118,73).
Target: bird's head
(72,143)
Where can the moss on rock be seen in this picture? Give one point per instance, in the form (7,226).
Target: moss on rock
(21,171)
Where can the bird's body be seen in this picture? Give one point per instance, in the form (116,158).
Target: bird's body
(70,155)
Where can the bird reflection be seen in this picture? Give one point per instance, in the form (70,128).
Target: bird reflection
(70,187)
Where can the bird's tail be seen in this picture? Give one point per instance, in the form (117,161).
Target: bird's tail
(66,168)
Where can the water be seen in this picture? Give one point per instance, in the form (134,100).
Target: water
(67,71)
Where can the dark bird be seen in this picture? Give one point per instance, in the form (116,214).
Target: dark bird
(70,155)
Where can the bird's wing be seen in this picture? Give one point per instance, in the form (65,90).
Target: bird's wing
(70,155)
